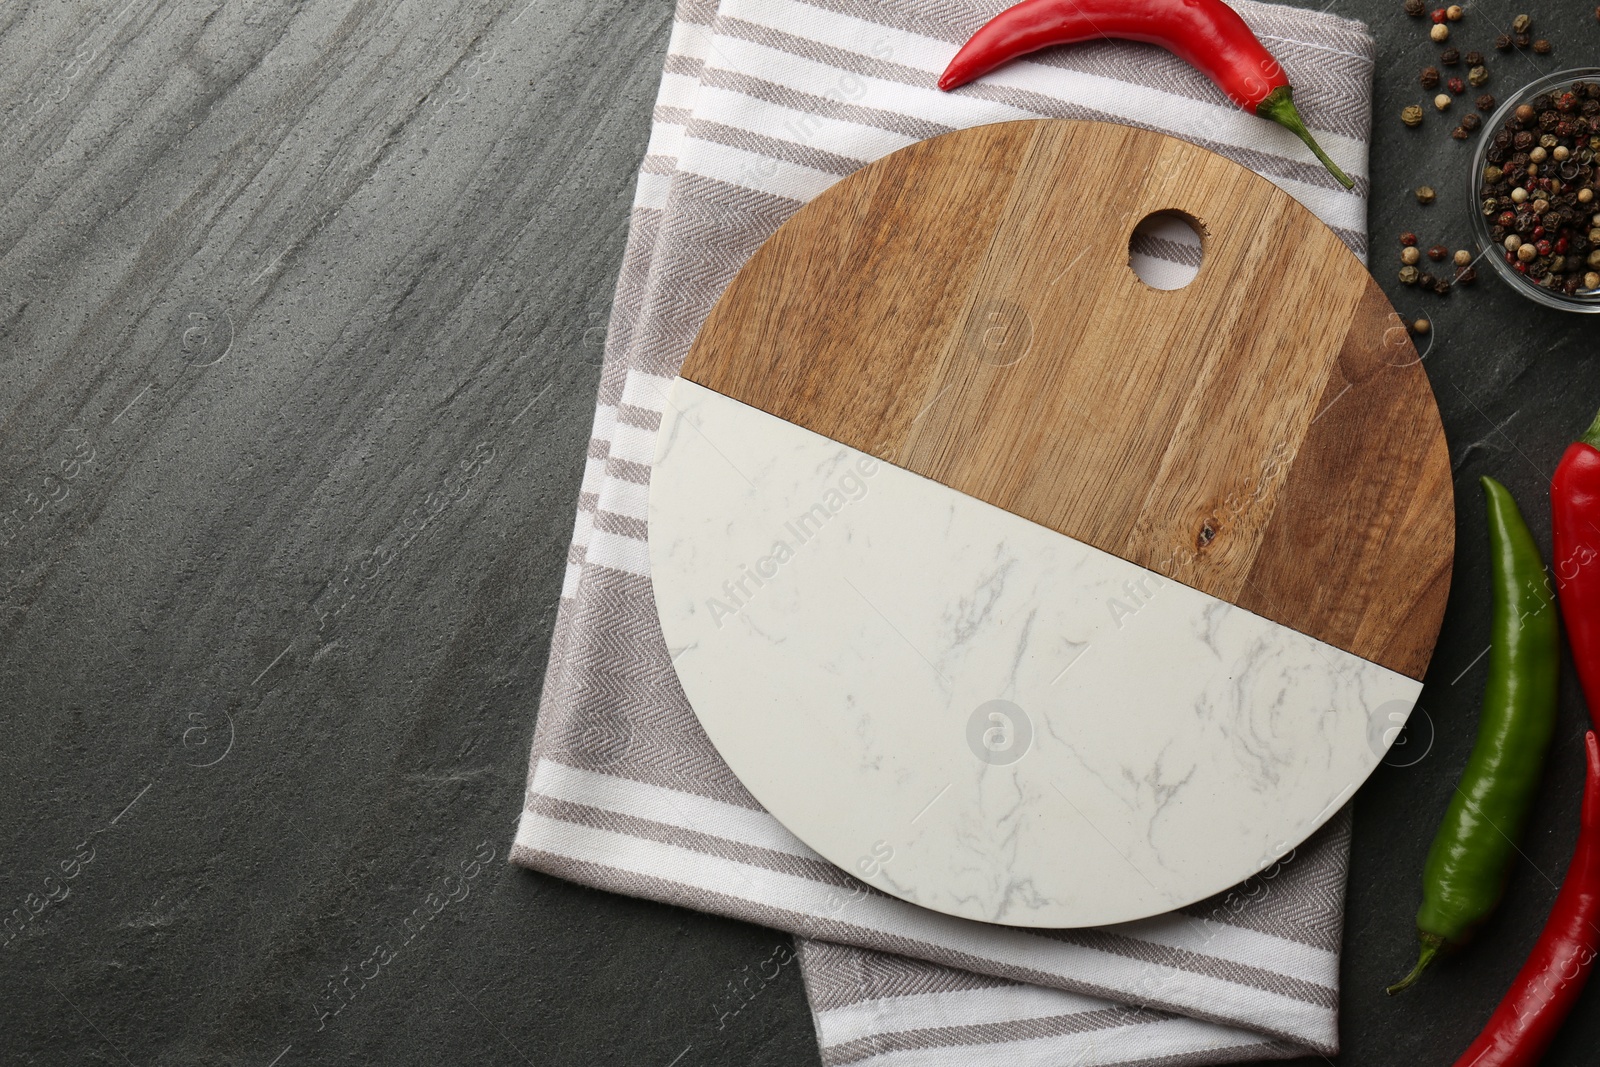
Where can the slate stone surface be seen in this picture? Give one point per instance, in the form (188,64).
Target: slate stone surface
(299,304)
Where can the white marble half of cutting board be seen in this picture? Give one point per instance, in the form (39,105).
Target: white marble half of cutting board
(973,712)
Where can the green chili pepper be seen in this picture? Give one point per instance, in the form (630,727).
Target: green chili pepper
(1475,847)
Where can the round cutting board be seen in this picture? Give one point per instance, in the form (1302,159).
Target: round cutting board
(1022,590)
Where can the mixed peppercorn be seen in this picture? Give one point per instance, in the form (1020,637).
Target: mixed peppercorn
(1459,270)
(1538,189)
(1477,68)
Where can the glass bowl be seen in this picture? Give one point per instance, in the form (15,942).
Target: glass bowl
(1586,300)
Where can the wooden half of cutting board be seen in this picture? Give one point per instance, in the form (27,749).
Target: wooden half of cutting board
(965,309)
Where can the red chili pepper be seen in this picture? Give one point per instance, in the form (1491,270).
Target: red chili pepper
(1575,526)
(1207,34)
(1544,991)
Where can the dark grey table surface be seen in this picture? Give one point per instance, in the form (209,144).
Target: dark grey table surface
(284,281)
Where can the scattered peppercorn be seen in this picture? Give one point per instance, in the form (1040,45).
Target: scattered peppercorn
(1425,194)
(1541,47)
(1521,24)
(1486,102)
(1429,77)
(1438,252)
(1456,85)
(1416,8)
(1502,43)
(1522,40)
(1442,101)
(1470,121)
(1440,32)
(1449,57)
(1478,76)
(1408,239)
(1454,12)
(1473,59)
(1421,326)
(1459,133)
(1462,257)
(1409,255)
(1438,15)
(1412,115)
(1409,275)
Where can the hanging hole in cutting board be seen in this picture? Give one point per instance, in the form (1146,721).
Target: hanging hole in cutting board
(1166,249)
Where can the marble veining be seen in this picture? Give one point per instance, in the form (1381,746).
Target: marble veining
(973,712)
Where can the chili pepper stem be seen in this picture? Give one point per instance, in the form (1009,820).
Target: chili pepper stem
(1591,437)
(1279,107)
(1430,947)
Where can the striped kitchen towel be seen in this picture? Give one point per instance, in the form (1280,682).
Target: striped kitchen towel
(763,104)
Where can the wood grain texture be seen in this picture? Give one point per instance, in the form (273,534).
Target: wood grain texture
(964,308)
